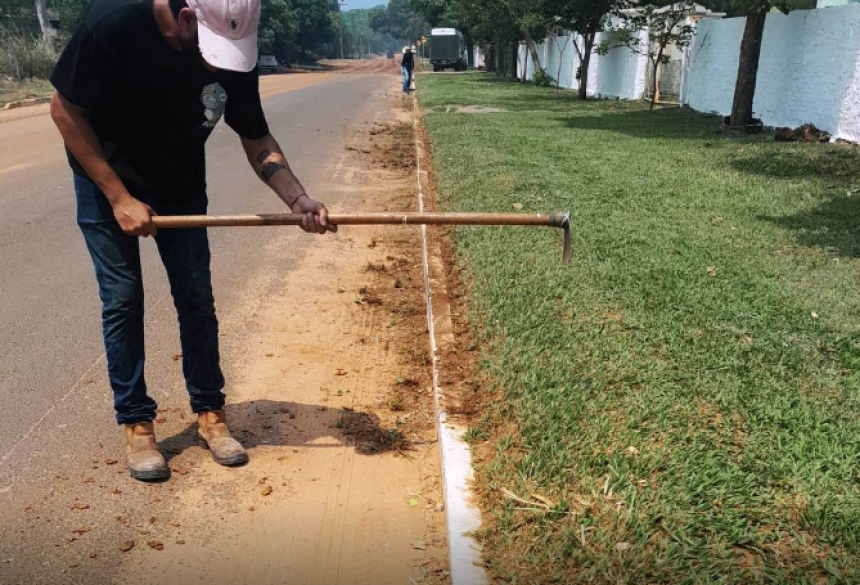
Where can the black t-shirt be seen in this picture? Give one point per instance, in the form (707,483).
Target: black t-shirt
(151,107)
(408,60)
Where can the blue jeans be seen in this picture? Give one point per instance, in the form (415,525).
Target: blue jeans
(116,257)
(407,77)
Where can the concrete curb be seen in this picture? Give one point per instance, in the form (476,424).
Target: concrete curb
(25,103)
(463,517)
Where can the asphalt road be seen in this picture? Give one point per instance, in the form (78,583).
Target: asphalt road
(55,403)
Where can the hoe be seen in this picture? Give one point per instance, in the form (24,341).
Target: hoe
(557,220)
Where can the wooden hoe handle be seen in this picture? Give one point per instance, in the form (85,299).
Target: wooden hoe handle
(559,220)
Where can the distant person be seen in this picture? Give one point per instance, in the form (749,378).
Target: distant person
(407,64)
(139,89)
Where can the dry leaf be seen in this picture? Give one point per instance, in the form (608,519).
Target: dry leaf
(93,554)
(110,461)
(711,271)
(126,546)
(814,315)
(419,545)
(156,544)
(80,506)
(518,206)
(266,490)
(81,529)
(622,546)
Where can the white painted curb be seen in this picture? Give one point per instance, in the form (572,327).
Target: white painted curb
(462,516)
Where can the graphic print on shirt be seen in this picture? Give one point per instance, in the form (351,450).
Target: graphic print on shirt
(214,99)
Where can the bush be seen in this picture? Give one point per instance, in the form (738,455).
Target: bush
(23,57)
(543,79)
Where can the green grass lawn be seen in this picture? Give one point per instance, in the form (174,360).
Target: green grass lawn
(685,395)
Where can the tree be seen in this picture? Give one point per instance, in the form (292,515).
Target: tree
(314,24)
(532,18)
(663,27)
(756,12)
(742,105)
(561,52)
(400,20)
(433,11)
(278,29)
(586,17)
(48,32)
(484,21)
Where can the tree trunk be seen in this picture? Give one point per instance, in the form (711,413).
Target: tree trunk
(532,49)
(48,32)
(13,54)
(515,55)
(655,80)
(587,50)
(560,59)
(742,108)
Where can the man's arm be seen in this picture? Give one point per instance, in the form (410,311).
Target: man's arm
(268,161)
(133,216)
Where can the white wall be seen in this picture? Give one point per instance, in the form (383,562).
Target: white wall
(809,70)
(618,74)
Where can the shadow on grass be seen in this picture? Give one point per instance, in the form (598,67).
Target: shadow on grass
(834,225)
(636,121)
(833,164)
(485,89)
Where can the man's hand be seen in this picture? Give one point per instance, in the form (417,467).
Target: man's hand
(315,214)
(134,217)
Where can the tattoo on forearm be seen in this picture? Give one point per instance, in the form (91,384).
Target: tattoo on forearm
(264,154)
(268,170)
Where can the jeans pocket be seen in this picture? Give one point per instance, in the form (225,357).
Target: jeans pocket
(93,206)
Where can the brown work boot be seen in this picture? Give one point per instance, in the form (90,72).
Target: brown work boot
(215,436)
(143,459)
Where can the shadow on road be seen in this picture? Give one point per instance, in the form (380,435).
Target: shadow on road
(288,424)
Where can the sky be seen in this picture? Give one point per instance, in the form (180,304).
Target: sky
(351,4)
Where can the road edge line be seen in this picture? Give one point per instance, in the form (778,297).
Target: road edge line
(463,518)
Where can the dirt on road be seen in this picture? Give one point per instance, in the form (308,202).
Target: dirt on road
(337,407)
(333,400)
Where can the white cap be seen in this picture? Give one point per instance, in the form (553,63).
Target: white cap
(227,32)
